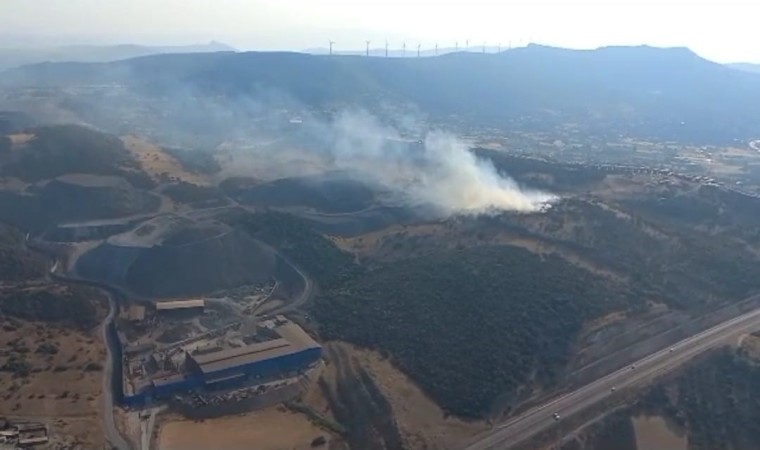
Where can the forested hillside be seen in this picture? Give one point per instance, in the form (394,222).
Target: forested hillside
(718,401)
(17,263)
(470,326)
(314,253)
(58,150)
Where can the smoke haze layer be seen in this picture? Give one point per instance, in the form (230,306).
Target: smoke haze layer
(259,137)
(437,173)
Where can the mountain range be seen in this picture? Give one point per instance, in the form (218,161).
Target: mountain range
(666,93)
(19,56)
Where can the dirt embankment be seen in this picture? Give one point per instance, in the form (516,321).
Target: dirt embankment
(381,407)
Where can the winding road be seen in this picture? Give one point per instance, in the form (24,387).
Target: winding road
(303,297)
(539,419)
(113,435)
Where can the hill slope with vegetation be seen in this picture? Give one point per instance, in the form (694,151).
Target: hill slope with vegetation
(57,150)
(17,263)
(65,173)
(474,326)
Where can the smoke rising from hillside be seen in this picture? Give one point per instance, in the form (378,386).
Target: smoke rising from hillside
(441,173)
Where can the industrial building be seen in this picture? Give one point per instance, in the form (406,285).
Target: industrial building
(180,308)
(282,348)
(294,349)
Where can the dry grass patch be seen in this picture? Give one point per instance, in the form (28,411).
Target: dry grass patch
(21,138)
(56,378)
(268,429)
(155,162)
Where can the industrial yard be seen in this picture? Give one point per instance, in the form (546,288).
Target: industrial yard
(208,357)
(200,352)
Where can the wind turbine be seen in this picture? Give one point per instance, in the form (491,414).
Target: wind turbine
(386,48)
(331,46)
(436,49)
(418,49)
(456,46)
(499,47)
(467,45)
(484,48)
(368,42)
(403,51)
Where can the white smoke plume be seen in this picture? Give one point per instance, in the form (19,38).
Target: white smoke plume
(441,173)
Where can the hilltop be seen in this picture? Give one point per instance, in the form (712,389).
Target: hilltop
(669,93)
(53,174)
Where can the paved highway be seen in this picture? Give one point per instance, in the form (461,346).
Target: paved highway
(539,419)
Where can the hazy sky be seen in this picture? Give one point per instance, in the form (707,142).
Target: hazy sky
(722,30)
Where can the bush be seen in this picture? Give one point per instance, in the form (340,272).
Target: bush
(47,348)
(19,367)
(93,367)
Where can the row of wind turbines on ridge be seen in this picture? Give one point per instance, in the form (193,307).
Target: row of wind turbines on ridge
(419,47)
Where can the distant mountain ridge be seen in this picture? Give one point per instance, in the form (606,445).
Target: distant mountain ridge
(410,52)
(19,56)
(747,67)
(667,93)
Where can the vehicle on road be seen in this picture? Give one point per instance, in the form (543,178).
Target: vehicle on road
(555,416)
(612,389)
(671,349)
(633,367)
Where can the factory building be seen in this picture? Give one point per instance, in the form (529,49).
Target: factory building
(294,349)
(180,308)
(289,350)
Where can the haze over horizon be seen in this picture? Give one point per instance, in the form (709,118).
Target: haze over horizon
(714,29)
